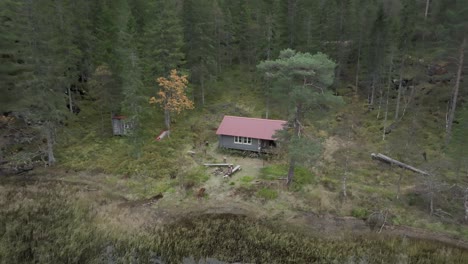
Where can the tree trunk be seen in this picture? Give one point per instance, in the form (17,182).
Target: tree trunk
(358,66)
(269,36)
(345,195)
(218,47)
(70,102)
(427,9)
(407,102)
(167,119)
(372,93)
(202,81)
(48,130)
(341,48)
(385,117)
(297,133)
(388,95)
(400,87)
(380,101)
(345,179)
(292,165)
(453,104)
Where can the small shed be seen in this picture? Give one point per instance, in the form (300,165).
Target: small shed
(121,125)
(244,133)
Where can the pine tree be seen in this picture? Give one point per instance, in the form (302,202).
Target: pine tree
(304,79)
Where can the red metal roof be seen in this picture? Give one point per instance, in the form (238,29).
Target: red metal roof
(120,117)
(249,127)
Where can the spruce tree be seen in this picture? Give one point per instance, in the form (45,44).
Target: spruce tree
(200,42)
(54,57)
(162,40)
(14,52)
(130,72)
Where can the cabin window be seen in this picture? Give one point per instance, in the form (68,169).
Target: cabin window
(243,140)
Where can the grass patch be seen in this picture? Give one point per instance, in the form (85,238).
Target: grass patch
(246,181)
(274,172)
(267,194)
(329,183)
(141,187)
(194,177)
(302,176)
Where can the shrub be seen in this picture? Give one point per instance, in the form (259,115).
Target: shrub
(360,213)
(302,176)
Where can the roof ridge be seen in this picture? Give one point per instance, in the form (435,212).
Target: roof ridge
(242,117)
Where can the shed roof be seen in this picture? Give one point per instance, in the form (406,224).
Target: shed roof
(249,127)
(119,117)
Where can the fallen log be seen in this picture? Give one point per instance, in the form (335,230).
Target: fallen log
(387,159)
(231,172)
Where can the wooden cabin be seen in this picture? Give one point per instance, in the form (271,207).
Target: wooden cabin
(121,126)
(243,133)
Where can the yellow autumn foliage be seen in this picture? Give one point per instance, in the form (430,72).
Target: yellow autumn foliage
(172,95)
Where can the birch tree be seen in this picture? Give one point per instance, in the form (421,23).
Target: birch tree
(172,96)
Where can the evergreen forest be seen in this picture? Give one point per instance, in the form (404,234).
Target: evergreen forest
(109,112)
